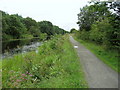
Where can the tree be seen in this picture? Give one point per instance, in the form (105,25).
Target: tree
(58,30)
(46,27)
(16,27)
(12,27)
(98,23)
(32,26)
(90,14)
(73,30)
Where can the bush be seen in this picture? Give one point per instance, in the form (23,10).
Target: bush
(50,67)
(6,37)
(101,33)
(43,36)
(84,35)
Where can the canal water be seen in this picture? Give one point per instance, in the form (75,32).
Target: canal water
(10,48)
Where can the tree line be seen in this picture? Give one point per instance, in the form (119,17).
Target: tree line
(16,27)
(99,22)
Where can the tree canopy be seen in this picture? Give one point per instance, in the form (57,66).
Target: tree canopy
(73,30)
(16,27)
(99,23)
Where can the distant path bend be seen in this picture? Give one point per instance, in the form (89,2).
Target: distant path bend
(98,74)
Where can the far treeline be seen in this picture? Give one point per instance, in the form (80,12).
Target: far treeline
(99,22)
(16,27)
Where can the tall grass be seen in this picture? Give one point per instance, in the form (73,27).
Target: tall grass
(110,57)
(55,65)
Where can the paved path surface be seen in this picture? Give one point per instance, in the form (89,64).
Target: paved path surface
(98,74)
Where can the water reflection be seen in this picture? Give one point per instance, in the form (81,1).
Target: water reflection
(9,48)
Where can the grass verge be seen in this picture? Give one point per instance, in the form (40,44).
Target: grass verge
(107,56)
(55,65)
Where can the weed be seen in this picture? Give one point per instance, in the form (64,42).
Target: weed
(56,65)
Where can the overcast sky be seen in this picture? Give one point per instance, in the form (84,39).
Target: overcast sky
(62,13)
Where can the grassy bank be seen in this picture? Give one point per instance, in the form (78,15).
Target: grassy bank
(55,65)
(109,57)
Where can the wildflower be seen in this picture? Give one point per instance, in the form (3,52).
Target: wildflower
(24,79)
(18,80)
(12,80)
(23,75)
(27,72)
(30,75)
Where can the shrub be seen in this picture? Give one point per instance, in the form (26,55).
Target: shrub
(84,35)
(43,36)
(101,33)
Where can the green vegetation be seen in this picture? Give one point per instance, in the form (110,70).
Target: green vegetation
(109,57)
(17,27)
(0,64)
(100,30)
(0,74)
(54,65)
(98,24)
(73,30)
